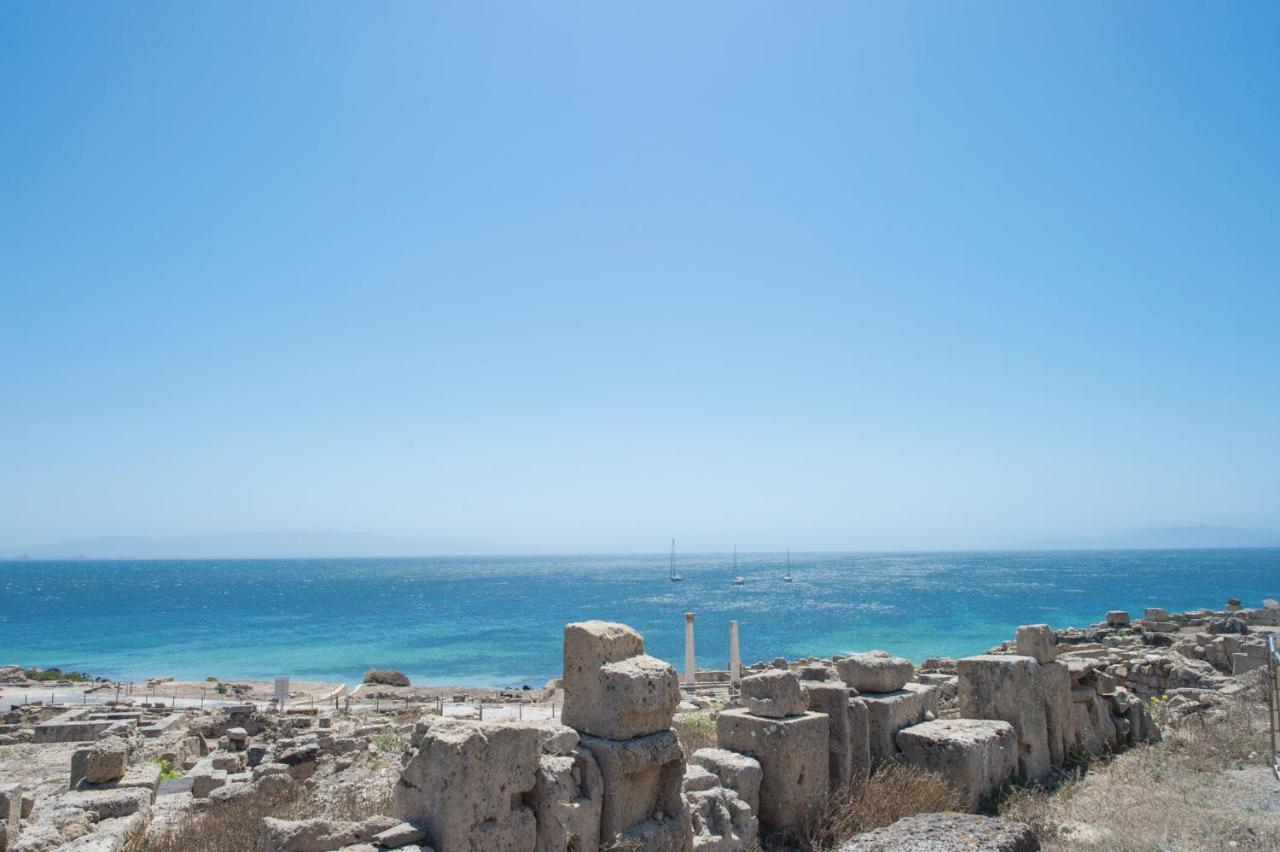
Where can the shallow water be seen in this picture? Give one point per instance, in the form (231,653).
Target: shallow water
(498,620)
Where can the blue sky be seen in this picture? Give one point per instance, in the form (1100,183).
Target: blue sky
(580,277)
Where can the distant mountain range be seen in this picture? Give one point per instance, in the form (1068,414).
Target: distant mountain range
(1167,538)
(302,544)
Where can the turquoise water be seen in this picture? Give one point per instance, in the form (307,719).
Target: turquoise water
(498,620)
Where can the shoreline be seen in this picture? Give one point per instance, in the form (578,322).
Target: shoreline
(443,685)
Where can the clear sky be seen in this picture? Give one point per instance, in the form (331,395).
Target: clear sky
(580,277)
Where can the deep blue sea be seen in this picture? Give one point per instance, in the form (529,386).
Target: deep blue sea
(498,620)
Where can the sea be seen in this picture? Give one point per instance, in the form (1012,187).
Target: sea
(498,621)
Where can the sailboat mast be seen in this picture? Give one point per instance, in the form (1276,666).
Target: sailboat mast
(673,557)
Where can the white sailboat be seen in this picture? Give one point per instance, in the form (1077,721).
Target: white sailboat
(787,578)
(738,579)
(675,578)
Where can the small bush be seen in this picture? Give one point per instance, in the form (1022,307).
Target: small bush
(893,792)
(389,740)
(386,677)
(696,730)
(168,771)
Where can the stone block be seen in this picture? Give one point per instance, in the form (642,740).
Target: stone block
(875,671)
(738,772)
(567,798)
(890,712)
(1036,641)
(466,782)
(978,756)
(205,782)
(1241,663)
(398,836)
(775,694)
(846,729)
(1117,618)
(11,802)
(1008,688)
(860,741)
(721,821)
(642,786)
(613,690)
(106,761)
(1155,613)
(793,757)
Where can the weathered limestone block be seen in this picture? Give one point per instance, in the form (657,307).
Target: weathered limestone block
(105,761)
(738,772)
(698,778)
(307,835)
(875,671)
(1155,613)
(398,836)
(465,783)
(946,831)
(567,799)
(1117,618)
(11,802)
(860,740)
(1036,641)
(793,756)
(890,712)
(1241,663)
(846,729)
(1055,692)
(205,781)
(613,690)
(1008,688)
(776,694)
(721,821)
(556,738)
(978,756)
(642,800)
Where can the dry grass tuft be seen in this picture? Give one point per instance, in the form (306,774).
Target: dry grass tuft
(226,827)
(696,730)
(893,792)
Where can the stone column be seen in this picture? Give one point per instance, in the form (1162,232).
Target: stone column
(690,663)
(735,661)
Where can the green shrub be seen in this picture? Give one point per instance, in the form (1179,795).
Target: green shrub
(55,673)
(386,677)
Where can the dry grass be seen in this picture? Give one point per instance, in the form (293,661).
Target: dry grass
(895,791)
(696,730)
(237,826)
(1207,786)
(226,827)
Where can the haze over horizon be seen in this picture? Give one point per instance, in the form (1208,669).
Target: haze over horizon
(580,276)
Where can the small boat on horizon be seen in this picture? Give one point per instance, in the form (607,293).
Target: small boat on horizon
(738,579)
(787,578)
(675,578)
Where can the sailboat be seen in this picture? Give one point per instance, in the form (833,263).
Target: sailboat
(738,579)
(787,578)
(675,578)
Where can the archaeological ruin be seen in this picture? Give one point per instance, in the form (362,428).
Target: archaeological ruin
(608,768)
